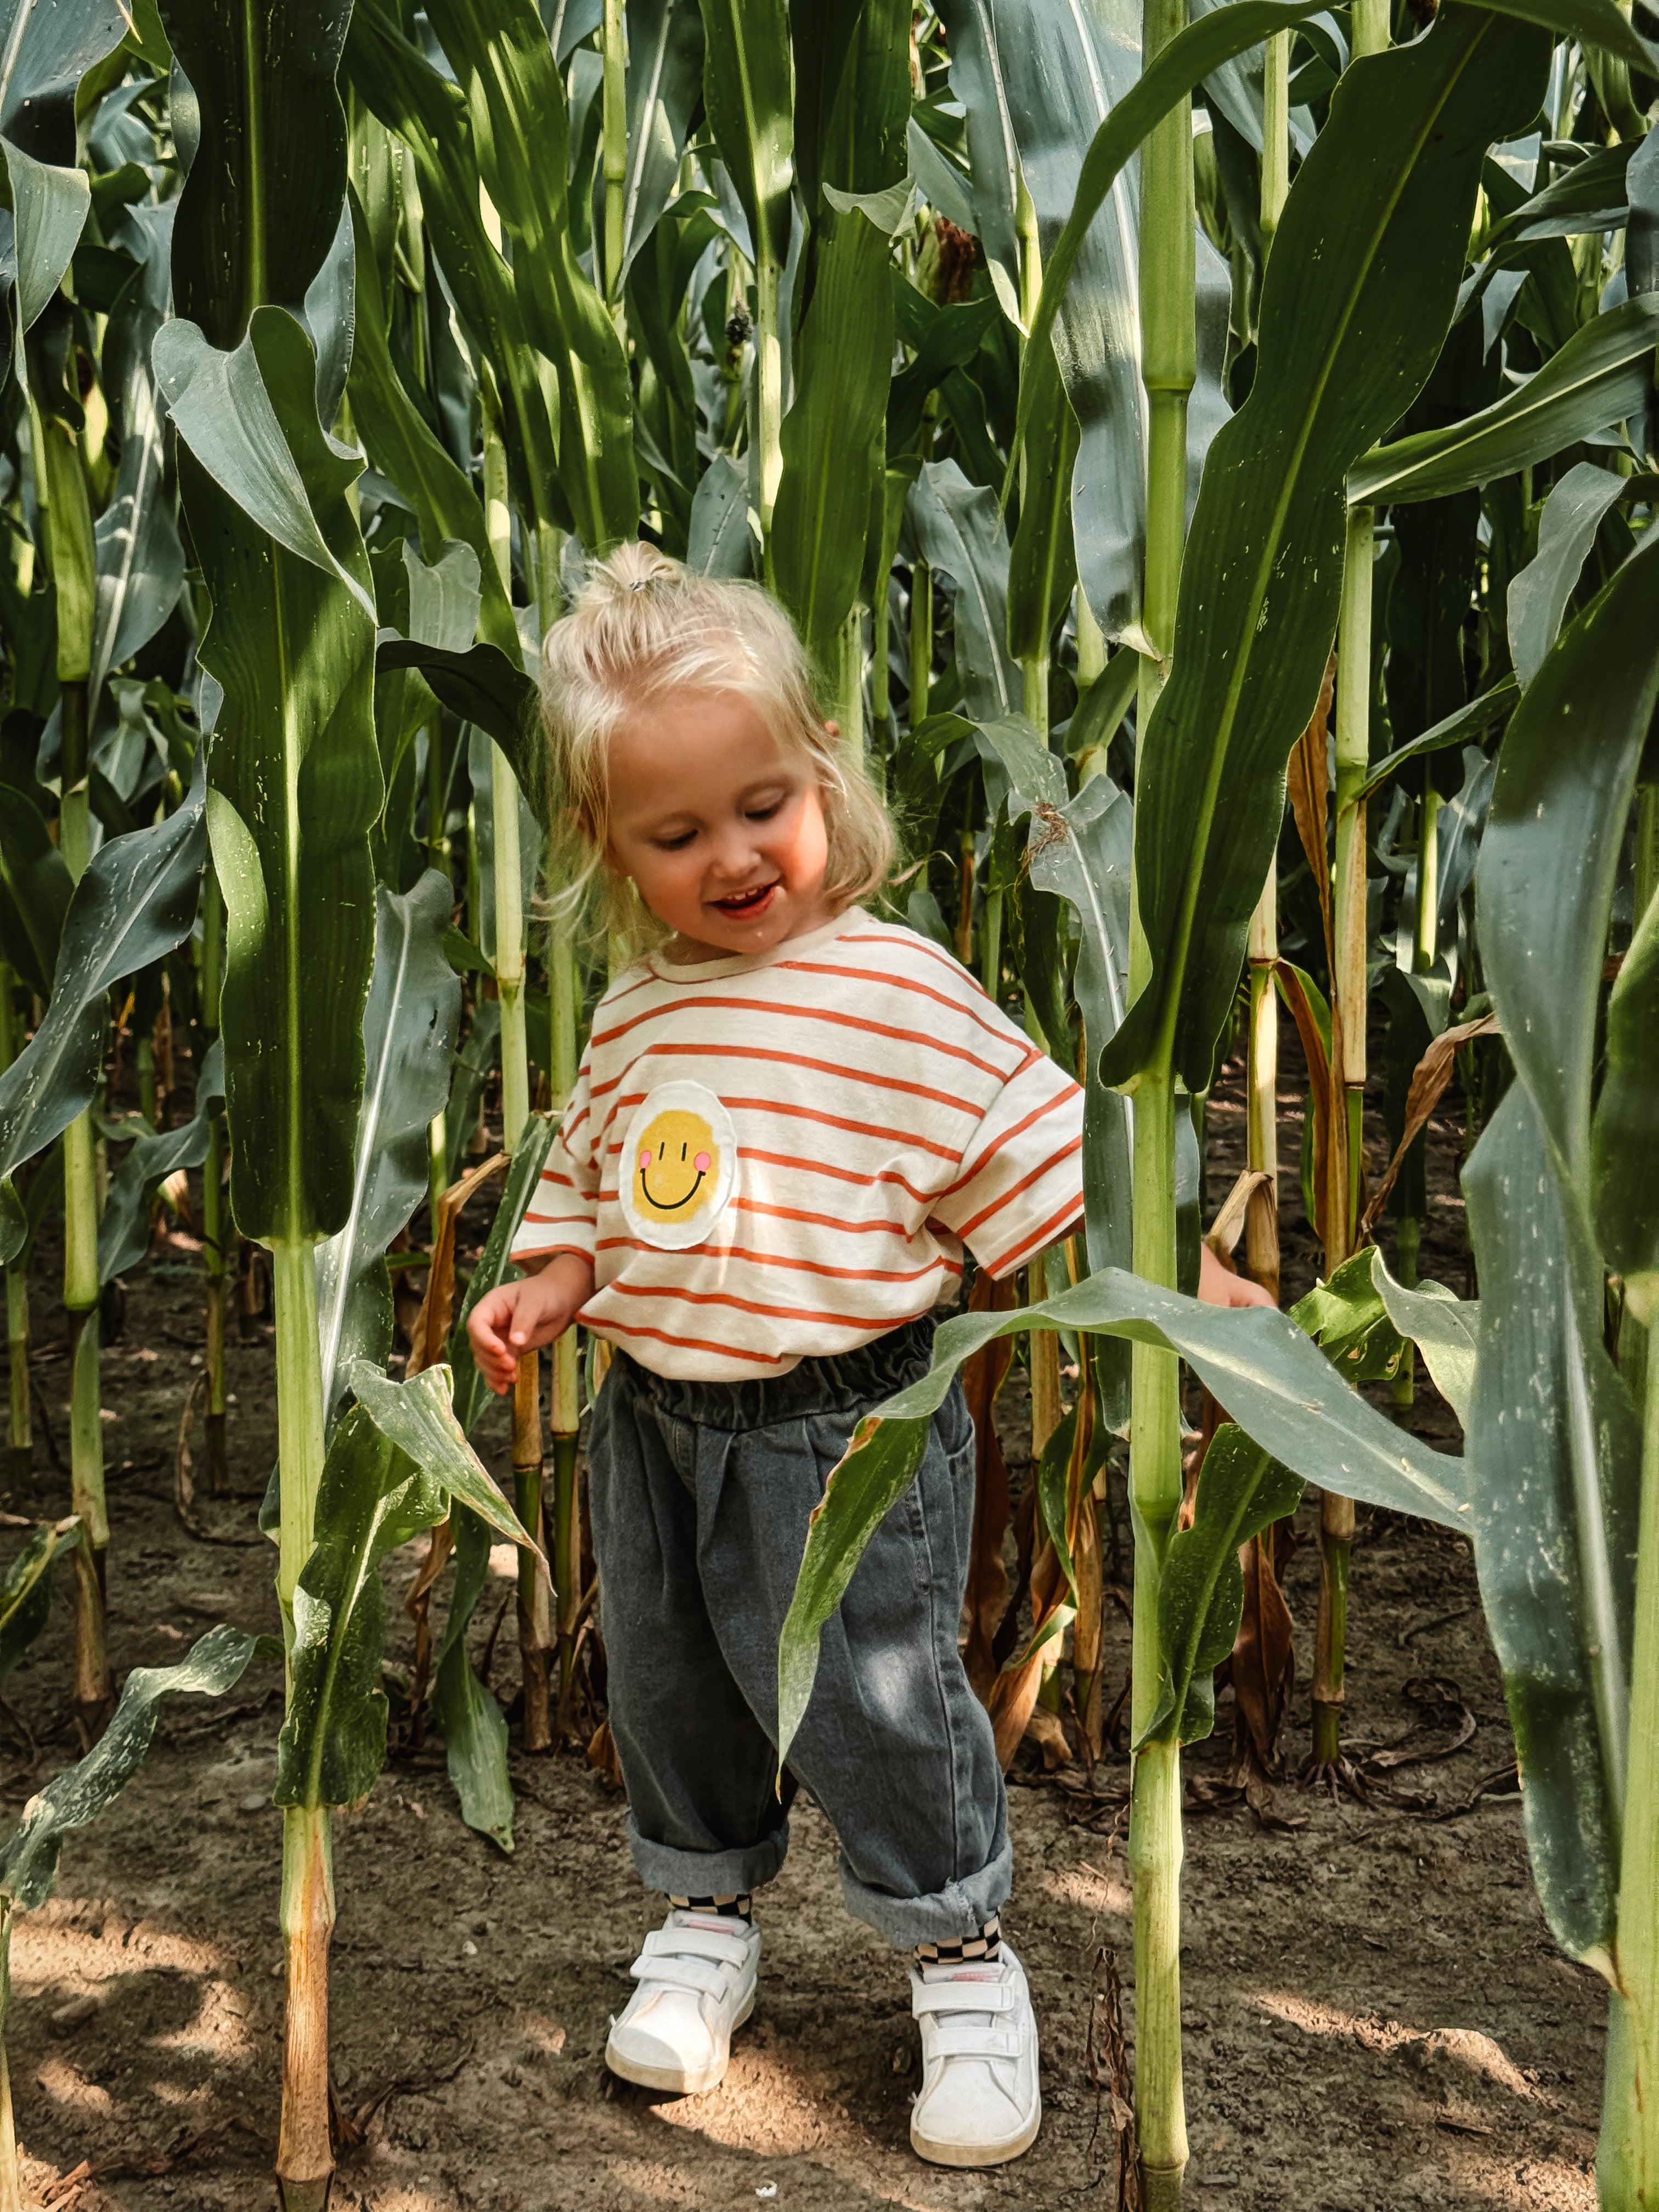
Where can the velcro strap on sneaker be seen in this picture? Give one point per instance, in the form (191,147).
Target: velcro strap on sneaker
(701,1975)
(697,1943)
(966,2038)
(963,1996)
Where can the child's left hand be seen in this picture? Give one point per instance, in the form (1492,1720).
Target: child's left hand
(1220,1287)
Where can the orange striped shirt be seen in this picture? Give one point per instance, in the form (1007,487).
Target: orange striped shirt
(776,1158)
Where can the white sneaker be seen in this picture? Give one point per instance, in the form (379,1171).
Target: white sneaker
(980,2103)
(696,1980)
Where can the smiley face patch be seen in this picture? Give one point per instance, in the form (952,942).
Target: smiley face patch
(678,1167)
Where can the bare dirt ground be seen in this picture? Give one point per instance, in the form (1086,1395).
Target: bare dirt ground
(1376,2015)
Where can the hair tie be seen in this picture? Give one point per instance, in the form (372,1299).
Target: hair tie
(639,583)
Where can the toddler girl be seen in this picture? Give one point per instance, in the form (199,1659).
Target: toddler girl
(789,1119)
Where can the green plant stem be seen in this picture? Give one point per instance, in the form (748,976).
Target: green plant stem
(768,393)
(216,1226)
(1628,2170)
(921,641)
(1262,1126)
(1090,647)
(80,1286)
(305,2160)
(1275,134)
(437,844)
(991,945)
(1428,881)
(849,678)
(504,804)
(614,130)
(22,1456)
(1155,1836)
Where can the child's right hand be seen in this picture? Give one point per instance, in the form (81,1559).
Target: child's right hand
(516,1317)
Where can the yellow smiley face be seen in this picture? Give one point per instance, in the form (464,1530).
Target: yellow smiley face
(676,1167)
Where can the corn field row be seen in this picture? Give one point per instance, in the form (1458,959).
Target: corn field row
(1211,456)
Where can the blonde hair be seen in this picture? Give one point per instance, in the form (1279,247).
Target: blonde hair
(643,625)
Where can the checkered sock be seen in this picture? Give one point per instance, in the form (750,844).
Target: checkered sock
(739,1907)
(985,1944)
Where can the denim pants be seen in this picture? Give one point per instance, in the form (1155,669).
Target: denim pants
(700,1494)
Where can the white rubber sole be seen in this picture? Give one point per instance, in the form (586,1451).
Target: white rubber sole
(977,2155)
(676,2082)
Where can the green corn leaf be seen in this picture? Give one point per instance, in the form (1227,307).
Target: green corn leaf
(404,449)
(664,84)
(1600,376)
(1040,83)
(273,131)
(428,113)
(1043,559)
(1554,1443)
(1279,1385)
(409,1026)
(1468,723)
(1080,851)
(1554,1454)
(957,529)
(722,543)
(1623,1140)
(479,1052)
(74,1798)
(1033,776)
(49,212)
(124,1228)
(535,1142)
(1358,297)
(1052,1471)
(481,686)
(1538,596)
(1348,1317)
(473,1725)
(141,561)
(1444,1328)
(832,439)
(746,91)
(36,876)
(1242,1489)
(395,1461)
(292,800)
(516,105)
(47,52)
(136,902)
(25,1593)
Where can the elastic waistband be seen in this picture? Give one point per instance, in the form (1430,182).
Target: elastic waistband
(845,1382)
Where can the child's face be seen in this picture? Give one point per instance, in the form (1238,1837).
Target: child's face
(720,826)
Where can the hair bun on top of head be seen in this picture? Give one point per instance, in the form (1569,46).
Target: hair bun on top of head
(631,567)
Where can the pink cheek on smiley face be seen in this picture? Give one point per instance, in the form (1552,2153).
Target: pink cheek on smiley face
(700,1163)
(645,1160)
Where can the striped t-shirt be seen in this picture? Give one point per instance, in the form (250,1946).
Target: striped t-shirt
(779,1157)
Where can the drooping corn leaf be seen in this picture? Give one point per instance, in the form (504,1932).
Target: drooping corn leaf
(395,1461)
(123,1229)
(25,1593)
(1600,376)
(472,1723)
(1242,1489)
(38,239)
(47,51)
(1080,851)
(1358,293)
(74,1798)
(1554,1438)
(410,1027)
(1445,1327)
(292,799)
(1538,596)
(1469,722)
(959,529)
(136,902)
(1280,1387)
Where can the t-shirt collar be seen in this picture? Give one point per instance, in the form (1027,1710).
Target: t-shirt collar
(746,963)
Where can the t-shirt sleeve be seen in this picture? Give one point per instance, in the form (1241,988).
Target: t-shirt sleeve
(1020,1185)
(564,1204)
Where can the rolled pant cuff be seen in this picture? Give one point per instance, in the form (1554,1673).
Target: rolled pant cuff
(707,1874)
(960,1908)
